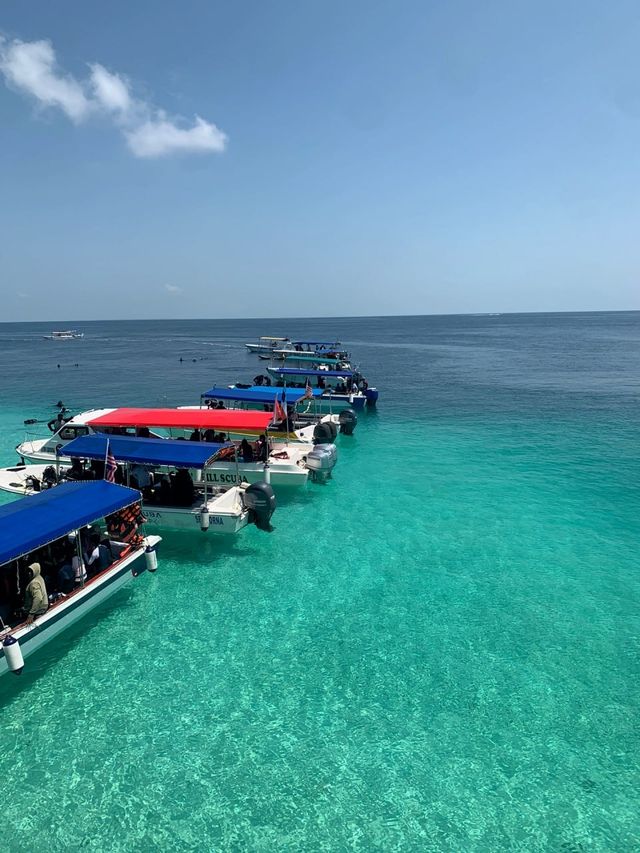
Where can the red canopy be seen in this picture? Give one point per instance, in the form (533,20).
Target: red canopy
(225,420)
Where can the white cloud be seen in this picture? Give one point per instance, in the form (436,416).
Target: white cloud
(32,68)
(110,90)
(159,136)
(173,289)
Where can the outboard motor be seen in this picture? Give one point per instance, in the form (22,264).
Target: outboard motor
(348,420)
(321,461)
(325,432)
(260,500)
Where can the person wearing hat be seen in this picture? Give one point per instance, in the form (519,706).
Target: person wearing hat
(35,596)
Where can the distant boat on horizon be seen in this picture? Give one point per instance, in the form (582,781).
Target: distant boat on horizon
(67,335)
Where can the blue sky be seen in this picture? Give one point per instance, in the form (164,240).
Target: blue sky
(350,158)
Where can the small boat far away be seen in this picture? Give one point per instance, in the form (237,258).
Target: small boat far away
(68,335)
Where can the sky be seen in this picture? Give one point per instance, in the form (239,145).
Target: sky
(213,159)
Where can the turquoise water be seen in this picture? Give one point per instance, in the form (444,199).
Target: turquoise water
(436,651)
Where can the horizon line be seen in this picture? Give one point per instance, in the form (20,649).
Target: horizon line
(326,317)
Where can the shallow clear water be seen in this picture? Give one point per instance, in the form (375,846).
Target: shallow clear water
(439,650)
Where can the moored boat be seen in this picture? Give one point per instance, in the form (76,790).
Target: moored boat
(290,463)
(42,537)
(341,388)
(171,476)
(300,408)
(267,343)
(329,349)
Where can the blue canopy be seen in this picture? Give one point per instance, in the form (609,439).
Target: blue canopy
(146,451)
(303,371)
(265,394)
(35,521)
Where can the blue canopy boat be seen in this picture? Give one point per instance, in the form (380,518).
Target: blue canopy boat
(49,531)
(174,499)
(340,388)
(303,408)
(261,395)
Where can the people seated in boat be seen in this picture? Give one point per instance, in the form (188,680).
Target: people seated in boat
(76,471)
(183,490)
(195,435)
(162,494)
(36,601)
(321,382)
(246,451)
(72,556)
(97,469)
(260,449)
(140,477)
(209,435)
(99,557)
(221,405)
(143,432)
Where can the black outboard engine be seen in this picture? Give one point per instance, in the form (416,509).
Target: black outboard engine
(348,420)
(325,432)
(260,500)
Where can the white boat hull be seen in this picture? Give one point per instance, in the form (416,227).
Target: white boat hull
(290,473)
(77,604)
(227,514)
(259,348)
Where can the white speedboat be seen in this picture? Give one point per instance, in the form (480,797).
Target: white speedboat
(267,343)
(171,475)
(47,529)
(290,463)
(68,335)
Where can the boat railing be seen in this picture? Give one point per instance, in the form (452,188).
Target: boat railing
(65,598)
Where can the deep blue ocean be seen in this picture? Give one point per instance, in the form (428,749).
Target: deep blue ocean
(438,650)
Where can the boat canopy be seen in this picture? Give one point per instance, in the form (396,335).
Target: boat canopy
(271,338)
(258,394)
(308,356)
(317,343)
(35,521)
(303,371)
(225,420)
(146,451)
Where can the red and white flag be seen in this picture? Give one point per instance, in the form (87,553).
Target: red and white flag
(110,465)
